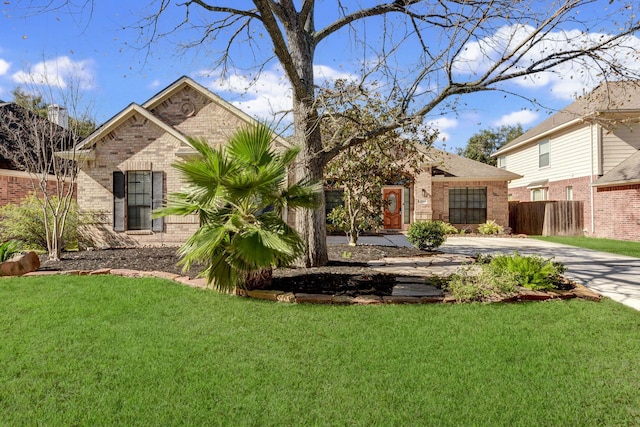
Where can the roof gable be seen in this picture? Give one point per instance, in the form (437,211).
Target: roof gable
(120,118)
(146,110)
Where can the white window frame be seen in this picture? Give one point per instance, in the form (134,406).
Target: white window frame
(544,156)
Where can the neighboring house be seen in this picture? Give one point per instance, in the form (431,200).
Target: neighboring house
(127,170)
(15,182)
(589,152)
(450,188)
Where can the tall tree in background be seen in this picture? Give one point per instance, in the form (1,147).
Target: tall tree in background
(425,54)
(482,144)
(45,147)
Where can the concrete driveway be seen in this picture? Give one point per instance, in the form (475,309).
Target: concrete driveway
(614,276)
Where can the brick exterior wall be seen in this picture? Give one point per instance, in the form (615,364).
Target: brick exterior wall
(617,212)
(15,186)
(497,200)
(616,209)
(557,190)
(139,144)
(431,199)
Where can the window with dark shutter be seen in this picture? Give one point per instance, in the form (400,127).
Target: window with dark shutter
(135,195)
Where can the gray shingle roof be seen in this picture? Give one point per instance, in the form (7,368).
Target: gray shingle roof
(609,97)
(461,167)
(627,172)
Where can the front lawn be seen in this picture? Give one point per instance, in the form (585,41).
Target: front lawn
(102,350)
(620,247)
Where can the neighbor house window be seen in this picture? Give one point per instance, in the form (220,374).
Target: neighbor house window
(502,162)
(468,205)
(538,194)
(135,195)
(569,193)
(543,154)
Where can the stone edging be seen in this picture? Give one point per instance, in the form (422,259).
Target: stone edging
(580,291)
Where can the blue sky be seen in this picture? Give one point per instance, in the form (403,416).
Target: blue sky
(99,48)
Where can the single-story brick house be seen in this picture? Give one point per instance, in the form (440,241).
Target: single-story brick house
(127,162)
(127,172)
(450,188)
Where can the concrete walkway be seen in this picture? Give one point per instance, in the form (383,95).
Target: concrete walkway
(614,276)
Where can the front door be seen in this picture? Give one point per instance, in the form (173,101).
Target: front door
(392,208)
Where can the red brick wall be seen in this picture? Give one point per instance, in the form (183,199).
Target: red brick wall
(617,212)
(616,209)
(497,203)
(15,186)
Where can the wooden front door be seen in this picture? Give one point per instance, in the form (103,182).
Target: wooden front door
(392,209)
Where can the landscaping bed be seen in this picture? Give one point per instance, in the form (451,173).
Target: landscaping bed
(346,279)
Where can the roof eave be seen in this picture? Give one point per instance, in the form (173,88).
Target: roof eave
(616,183)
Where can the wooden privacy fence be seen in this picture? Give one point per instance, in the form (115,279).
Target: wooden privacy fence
(547,218)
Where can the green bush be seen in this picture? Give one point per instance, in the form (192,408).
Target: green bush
(449,228)
(9,249)
(426,235)
(25,222)
(532,272)
(490,227)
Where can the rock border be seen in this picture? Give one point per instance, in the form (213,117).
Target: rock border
(579,291)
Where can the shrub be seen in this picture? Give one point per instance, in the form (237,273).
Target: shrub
(532,272)
(9,249)
(426,235)
(490,227)
(449,228)
(25,222)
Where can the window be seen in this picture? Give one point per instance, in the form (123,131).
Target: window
(139,200)
(543,154)
(569,193)
(538,194)
(135,195)
(468,205)
(333,199)
(502,162)
(406,205)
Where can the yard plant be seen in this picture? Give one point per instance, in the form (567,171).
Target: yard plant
(239,193)
(426,235)
(102,350)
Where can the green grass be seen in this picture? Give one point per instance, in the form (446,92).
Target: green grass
(620,247)
(104,350)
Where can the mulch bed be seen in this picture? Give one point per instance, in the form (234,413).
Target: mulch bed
(345,262)
(346,274)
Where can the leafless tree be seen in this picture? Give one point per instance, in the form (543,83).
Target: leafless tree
(41,141)
(425,53)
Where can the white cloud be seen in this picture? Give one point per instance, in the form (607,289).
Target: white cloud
(268,96)
(59,72)
(442,125)
(523,117)
(565,80)
(4,67)
(155,84)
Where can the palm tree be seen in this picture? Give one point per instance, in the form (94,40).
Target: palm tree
(240,193)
